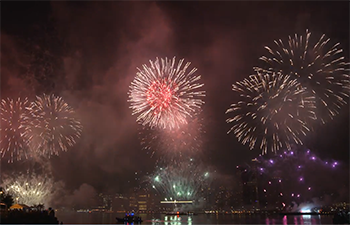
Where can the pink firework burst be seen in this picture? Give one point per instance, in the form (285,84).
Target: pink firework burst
(159,96)
(13,145)
(164,95)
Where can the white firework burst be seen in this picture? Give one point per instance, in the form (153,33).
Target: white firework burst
(318,65)
(273,111)
(54,126)
(29,188)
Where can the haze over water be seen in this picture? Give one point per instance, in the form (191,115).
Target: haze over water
(109,218)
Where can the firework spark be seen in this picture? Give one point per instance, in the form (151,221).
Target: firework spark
(317,65)
(164,95)
(291,176)
(29,189)
(13,145)
(181,182)
(176,143)
(54,126)
(272,112)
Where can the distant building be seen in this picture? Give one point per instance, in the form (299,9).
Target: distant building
(141,200)
(250,196)
(145,201)
(237,195)
(120,203)
(209,198)
(224,198)
(274,196)
(105,202)
(133,202)
(260,191)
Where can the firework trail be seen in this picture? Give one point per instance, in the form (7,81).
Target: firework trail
(317,65)
(29,188)
(164,95)
(172,145)
(181,182)
(53,126)
(273,112)
(13,145)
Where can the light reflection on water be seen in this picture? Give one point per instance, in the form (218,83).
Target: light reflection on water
(161,219)
(302,219)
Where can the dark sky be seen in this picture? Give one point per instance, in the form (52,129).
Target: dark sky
(95,47)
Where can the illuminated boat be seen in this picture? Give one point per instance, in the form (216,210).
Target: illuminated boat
(129,218)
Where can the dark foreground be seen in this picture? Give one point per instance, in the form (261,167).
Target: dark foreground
(33,217)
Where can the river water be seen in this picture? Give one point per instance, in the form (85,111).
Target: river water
(109,218)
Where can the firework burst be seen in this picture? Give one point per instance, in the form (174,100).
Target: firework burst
(317,65)
(272,112)
(13,145)
(164,95)
(53,126)
(29,189)
(184,181)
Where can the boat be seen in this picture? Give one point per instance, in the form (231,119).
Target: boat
(129,219)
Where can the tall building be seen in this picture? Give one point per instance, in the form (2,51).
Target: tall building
(106,201)
(274,193)
(249,181)
(145,201)
(133,205)
(237,195)
(224,198)
(142,200)
(209,198)
(120,203)
(260,190)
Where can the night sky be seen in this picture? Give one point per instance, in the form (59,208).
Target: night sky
(90,51)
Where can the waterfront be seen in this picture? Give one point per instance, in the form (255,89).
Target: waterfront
(109,218)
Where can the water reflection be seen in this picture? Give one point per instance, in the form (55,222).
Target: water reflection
(161,219)
(285,220)
(298,220)
(305,219)
(173,220)
(271,221)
